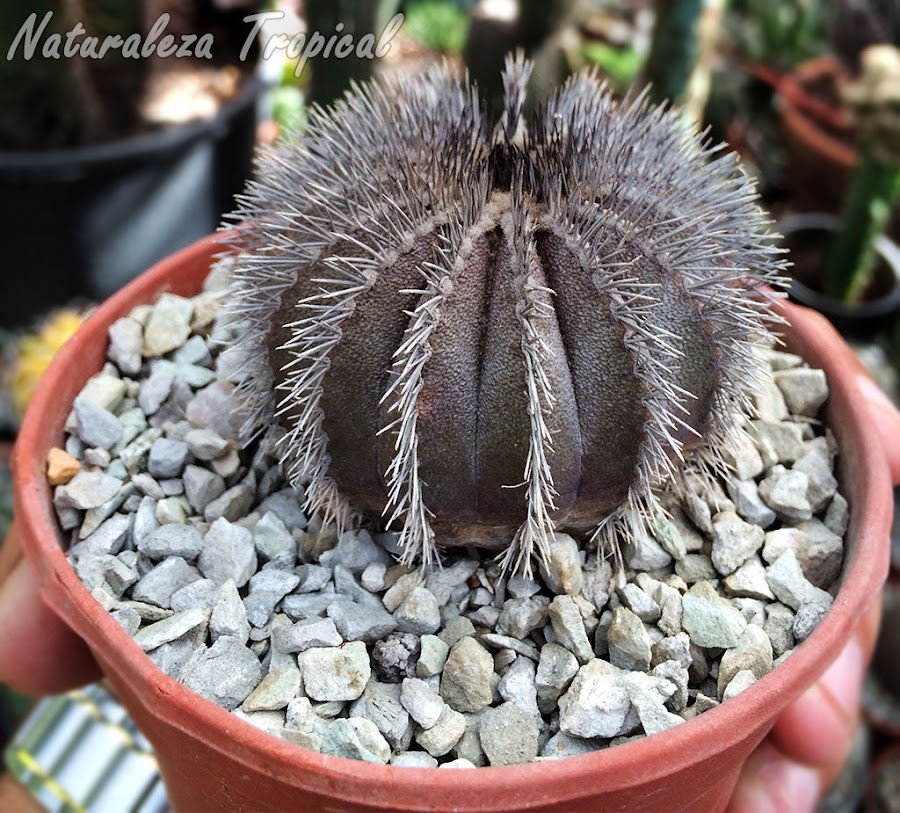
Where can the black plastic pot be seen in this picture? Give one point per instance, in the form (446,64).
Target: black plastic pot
(862,321)
(82,222)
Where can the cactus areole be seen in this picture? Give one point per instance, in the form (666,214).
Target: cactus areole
(489,331)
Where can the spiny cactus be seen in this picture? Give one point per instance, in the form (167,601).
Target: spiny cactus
(489,333)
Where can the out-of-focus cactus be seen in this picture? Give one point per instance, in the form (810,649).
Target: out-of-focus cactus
(491,331)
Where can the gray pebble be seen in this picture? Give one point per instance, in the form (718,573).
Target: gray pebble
(646,554)
(562,745)
(200,594)
(148,486)
(742,680)
(778,441)
(286,505)
(97,426)
(380,703)
(819,551)
(172,540)
(228,553)
(807,619)
(276,690)
(155,390)
(817,465)
(306,634)
(125,343)
(709,619)
(169,629)
(495,641)
(509,736)
(518,687)
(272,538)
(804,389)
(127,619)
(202,486)
(733,542)
(99,458)
(229,617)
(442,582)
(749,581)
(422,703)
(640,602)
(419,613)
(355,738)
(785,492)
(361,622)
(225,673)
(791,587)
(168,326)
(466,678)
(568,627)
(205,444)
(521,616)
(432,656)
(562,571)
(172,510)
(748,503)
(628,641)
(413,759)
(158,585)
(555,671)
(104,389)
(695,567)
(596,704)
(335,673)
(87,489)
(444,734)
(648,695)
(779,627)
(167,458)
(231,504)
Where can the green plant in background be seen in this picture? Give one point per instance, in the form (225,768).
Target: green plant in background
(674,49)
(491,329)
(777,35)
(875,185)
(441,25)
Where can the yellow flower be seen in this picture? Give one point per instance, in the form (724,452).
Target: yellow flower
(35,351)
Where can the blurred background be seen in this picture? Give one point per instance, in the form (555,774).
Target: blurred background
(109,164)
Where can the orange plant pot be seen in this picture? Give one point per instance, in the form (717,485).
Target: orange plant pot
(211,760)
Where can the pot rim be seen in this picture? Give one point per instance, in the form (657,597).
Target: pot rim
(886,248)
(652,757)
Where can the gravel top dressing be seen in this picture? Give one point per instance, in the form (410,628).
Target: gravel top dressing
(203,553)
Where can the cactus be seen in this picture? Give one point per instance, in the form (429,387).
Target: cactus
(493,333)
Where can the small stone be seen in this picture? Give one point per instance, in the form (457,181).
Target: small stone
(748,503)
(200,595)
(228,553)
(676,674)
(225,673)
(456,630)
(380,703)
(276,690)
(733,542)
(356,550)
(419,613)
(485,617)
(562,571)
(432,657)
(99,458)
(421,701)
(804,389)
(167,458)
(819,551)
(629,643)
(415,759)
(108,538)
(671,610)
(158,585)
(61,467)
(466,678)
(778,442)
(640,602)
(169,629)
(668,535)
(744,458)
(562,745)
(753,652)
(525,648)
(400,589)
(509,736)
(229,618)
(646,554)
(213,408)
(394,656)
(125,344)
(361,622)
(837,517)
(272,539)
(709,619)
(568,627)
(695,567)
(521,616)
(306,634)
(596,704)
(127,619)
(517,686)
(742,680)
(155,390)
(807,619)
(202,486)
(444,734)
(443,582)
(96,426)
(172,511)
(648,695)
(232,504)
(172,540)
(520,587)
(749,581)
(816,464)
(785,492)
(286,505)
(372,578)
(104,390)
(355,738)
(204,444)
(778,626)
(168,327)
(335,673)
(769,401)
(87,489)
(791,587)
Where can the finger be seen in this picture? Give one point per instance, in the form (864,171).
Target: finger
(773,783)
(39,654)
(887,422)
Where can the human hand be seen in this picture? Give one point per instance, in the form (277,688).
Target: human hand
(799,759)
(789,771)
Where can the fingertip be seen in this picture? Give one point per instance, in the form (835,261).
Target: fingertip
(771,782)
(39,654)
(887,420)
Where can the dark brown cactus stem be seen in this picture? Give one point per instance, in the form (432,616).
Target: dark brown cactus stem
(488,333)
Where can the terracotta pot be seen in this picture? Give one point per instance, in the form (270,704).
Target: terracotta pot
(820,149)
(212,761)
